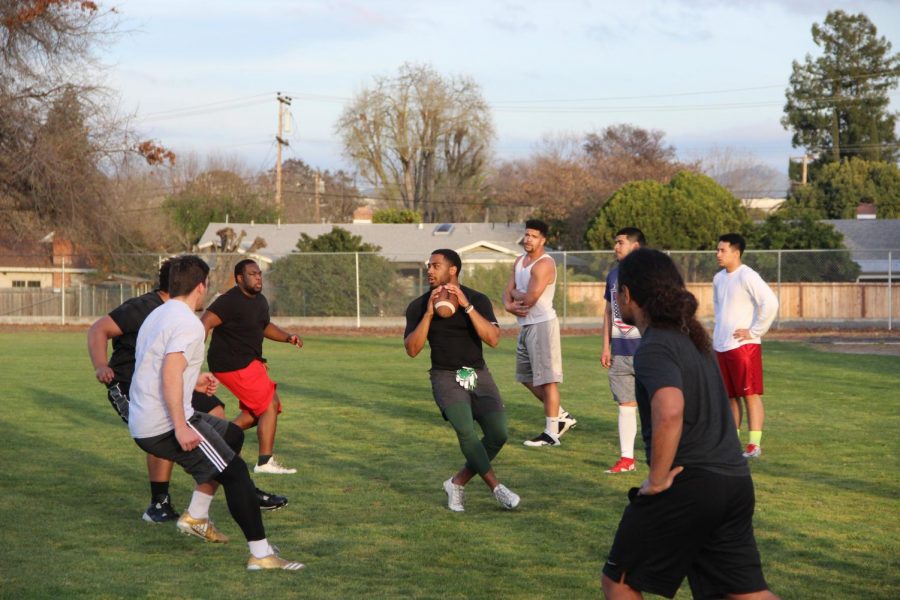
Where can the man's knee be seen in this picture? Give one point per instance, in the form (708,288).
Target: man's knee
(234,437)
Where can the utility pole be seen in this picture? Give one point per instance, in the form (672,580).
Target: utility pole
(320,187)
(283,103)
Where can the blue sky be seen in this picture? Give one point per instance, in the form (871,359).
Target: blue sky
(201,76)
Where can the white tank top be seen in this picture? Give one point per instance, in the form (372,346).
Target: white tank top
(543,309)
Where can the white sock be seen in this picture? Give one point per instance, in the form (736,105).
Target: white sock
(261,548)
(627,429)
(551,427)
(199,507)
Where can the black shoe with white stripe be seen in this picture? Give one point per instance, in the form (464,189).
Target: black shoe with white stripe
(269,501)
(160,511)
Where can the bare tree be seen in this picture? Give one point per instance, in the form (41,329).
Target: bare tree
(423,139)
(743,174)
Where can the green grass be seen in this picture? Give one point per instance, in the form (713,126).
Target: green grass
(367,511)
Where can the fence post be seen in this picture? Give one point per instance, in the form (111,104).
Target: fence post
(62,289)
(890,292)
(778,316)
(358,320)
(565,287)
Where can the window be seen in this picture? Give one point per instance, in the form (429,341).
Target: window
(34,284)
(443,229)
(19,283)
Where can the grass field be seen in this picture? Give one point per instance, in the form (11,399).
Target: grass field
(367,511)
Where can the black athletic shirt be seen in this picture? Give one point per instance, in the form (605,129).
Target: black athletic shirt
(238,340)
(128,317)
(709,440)
(454,341)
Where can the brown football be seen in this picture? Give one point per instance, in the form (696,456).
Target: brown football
(445,304)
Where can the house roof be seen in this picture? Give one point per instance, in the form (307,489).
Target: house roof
(399,242)
(869,234)
(869,241)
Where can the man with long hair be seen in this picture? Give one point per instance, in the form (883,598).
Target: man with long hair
(702,526)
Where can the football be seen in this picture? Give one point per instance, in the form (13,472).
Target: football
(445,304)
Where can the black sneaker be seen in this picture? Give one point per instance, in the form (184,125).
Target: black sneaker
(160,511)
(269,501)
(542,440)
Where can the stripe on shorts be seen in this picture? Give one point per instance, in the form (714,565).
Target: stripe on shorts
(210,452)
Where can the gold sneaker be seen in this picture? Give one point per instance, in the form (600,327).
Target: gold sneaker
(272,561)
(201,528)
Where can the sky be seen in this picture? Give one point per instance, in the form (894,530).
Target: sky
(201,76)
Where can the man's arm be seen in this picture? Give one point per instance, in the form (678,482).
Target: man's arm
(766,303)
(173,368)
(542,273)
(98,336)
(210,321)
(415,341)
(488,332)
(667,415)
(277,334)
(509,301)
(606,357)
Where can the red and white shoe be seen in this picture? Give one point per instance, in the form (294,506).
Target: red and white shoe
(623,466)
(753,451)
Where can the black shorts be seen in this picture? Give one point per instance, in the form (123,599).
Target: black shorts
(117,394)
(484,399)
(208,459)
(701,527)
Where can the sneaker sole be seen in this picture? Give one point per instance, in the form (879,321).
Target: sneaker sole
(272,508)
(531,444)
(193,533)
(611,472)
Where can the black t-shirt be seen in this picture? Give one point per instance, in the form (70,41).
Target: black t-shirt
(238,340)
(454,341)
(668,358)
(128,317)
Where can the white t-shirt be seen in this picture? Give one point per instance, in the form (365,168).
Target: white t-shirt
(171,328)
(542,310)
(742,300)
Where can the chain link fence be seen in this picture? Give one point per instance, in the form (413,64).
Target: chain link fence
(816,288)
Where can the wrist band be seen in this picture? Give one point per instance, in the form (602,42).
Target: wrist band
(469,308)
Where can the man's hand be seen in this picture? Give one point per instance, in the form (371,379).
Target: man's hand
(516,307)
(187,438)
(649,488)
(104,375)
(429,306)
(742,335)
(206,384)
(460,296)
(295,339)
(606,358)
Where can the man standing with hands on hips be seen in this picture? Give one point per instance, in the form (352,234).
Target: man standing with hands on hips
(745,308)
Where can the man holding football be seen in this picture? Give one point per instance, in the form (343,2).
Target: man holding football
(461,383)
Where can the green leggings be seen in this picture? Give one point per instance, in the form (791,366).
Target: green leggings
(478,452)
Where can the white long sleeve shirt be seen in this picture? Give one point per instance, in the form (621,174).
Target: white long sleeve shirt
(742,300)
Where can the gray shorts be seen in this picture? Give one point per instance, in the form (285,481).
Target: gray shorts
(538,354)
(205,461)
(484,399)
(621,379)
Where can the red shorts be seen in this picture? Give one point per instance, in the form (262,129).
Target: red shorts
(742,370)
(251,386)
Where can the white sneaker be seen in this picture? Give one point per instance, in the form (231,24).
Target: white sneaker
(506,496)
(456,496)
(545,439)
(274,467)
(565,423)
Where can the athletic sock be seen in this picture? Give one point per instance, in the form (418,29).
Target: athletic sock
(551,427)
(263,459)
(627,429)
(199,507)
(260,548)
(158,490)
(755,437)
